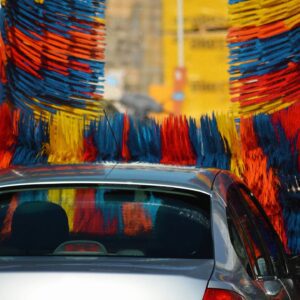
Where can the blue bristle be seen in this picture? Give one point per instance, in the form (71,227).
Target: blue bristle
(33,135)
(265,55)
(278,150)
(134,142)
(144,141)
(151,139)
(236,1)
(108,138)
(196,140)
(275,145)
(213,145)
(2,92)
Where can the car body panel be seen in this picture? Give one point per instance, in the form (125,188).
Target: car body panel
(117,278)
(187,178)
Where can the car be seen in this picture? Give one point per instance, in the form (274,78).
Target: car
(136,231)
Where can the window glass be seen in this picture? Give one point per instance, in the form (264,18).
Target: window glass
(237,243)
(259,261)
(270,239)
(106,220)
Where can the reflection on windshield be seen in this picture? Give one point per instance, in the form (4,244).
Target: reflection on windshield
(106,221)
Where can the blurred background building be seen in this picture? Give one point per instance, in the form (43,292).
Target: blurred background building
(142,56)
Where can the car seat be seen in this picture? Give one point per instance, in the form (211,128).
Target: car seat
(39,227)
(180,236)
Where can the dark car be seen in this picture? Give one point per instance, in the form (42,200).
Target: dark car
(136,231)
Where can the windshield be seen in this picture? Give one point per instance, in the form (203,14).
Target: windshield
(107,221)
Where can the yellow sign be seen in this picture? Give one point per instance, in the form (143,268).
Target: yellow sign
(197,14)
(206,54)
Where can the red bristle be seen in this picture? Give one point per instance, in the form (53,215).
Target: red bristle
(90,150)
(3,61)
(8,134)
(289,119)
(262,181)
(175,140)
(242,34)
(125,149)
(56,50)
(254,90)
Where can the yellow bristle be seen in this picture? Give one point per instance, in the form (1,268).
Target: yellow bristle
(65,139)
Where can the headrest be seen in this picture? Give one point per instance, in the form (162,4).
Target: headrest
(39,227)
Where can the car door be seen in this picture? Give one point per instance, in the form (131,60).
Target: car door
(263,255)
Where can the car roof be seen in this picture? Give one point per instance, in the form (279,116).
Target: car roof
(130,173)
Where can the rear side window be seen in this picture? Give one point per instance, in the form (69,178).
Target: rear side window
(270,239)
(235,234)
(107,221)
(261,243)
(258,261)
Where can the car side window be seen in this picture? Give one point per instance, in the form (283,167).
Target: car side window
(260,262)
(237,243)
(270,238)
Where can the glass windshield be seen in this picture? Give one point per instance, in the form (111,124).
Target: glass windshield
(106,220)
